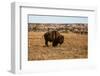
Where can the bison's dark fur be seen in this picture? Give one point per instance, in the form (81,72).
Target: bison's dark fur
(53,36)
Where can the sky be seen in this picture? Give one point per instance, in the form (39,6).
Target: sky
(56,19)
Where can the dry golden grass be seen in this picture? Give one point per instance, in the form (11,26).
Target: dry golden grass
(74,46)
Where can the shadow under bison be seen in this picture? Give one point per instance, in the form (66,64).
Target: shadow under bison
(53,36)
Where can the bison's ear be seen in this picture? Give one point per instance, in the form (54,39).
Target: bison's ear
(62,35)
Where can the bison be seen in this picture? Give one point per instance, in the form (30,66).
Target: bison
(53,36)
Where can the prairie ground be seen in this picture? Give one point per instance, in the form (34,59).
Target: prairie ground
(75,46)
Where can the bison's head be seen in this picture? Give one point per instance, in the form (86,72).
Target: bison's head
(59,40)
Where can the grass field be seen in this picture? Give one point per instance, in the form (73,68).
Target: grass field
(74,46)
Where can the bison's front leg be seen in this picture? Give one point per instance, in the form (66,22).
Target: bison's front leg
(46,43)
(54,43)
